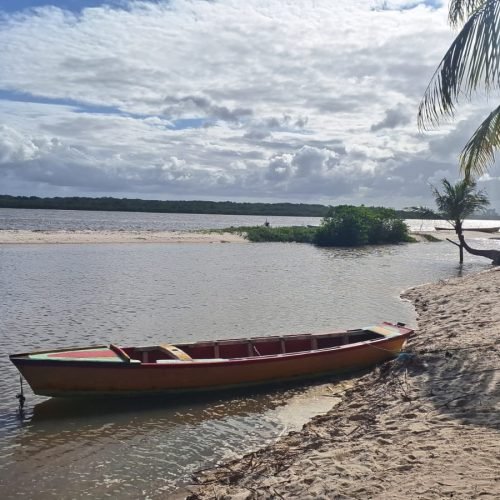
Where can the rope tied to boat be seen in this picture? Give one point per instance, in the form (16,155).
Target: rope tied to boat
(20,395)
(403,354)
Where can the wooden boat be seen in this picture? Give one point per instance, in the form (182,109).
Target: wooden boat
(204,366)
(479,229)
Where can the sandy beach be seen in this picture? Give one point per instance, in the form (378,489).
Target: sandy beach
(424,426)
(11,237)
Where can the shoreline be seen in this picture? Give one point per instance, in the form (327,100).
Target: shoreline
(426,425)
(27,237)
(444,235)
(40,237)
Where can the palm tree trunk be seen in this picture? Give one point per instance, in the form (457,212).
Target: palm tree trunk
(494,255)
(458,230)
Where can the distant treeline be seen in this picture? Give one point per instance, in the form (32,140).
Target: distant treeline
(186,207)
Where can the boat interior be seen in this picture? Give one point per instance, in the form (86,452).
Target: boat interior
(246,348)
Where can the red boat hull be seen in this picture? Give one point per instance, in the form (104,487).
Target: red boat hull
(88,377)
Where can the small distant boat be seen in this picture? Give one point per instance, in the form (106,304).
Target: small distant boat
(479,229)
(206,366)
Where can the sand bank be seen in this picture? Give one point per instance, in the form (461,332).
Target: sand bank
(61,237)
(443,235)
(107,236)
(424,426)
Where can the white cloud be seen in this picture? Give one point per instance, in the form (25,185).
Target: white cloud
(14,147)
(303,101)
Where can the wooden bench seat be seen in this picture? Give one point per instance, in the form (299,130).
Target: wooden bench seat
(175,352)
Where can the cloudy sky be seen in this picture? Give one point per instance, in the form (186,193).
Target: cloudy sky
(255,100)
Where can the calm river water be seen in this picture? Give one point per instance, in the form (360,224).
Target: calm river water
(60,295)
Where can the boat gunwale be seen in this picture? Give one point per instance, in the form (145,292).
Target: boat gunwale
(65,349)
(401,330)
(82,363)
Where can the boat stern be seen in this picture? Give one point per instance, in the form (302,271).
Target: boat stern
(51,372)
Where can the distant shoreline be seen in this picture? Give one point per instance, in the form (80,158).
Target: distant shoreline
(193,207)
(27,237)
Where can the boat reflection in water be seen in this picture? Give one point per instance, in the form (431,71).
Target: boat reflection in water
(184,406)
(161,440)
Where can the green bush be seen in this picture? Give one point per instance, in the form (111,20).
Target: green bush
(344,225)
(259,234)
(347,225)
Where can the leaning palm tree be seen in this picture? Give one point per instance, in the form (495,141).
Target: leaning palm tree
(472,62)
(457,202)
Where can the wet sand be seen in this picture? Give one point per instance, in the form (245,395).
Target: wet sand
(424,426)
(67,237)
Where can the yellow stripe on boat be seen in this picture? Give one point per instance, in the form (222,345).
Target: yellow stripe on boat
(176,352)
(382,330)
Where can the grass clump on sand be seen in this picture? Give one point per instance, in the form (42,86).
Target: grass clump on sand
(430,238)
(289,234)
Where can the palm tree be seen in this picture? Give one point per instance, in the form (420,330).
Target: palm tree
(471,62)
(457,202)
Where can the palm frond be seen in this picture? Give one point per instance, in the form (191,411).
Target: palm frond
(473,59)
(479,152)
(460,200)
(461,10)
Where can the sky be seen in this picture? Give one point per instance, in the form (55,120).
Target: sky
(310,101)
